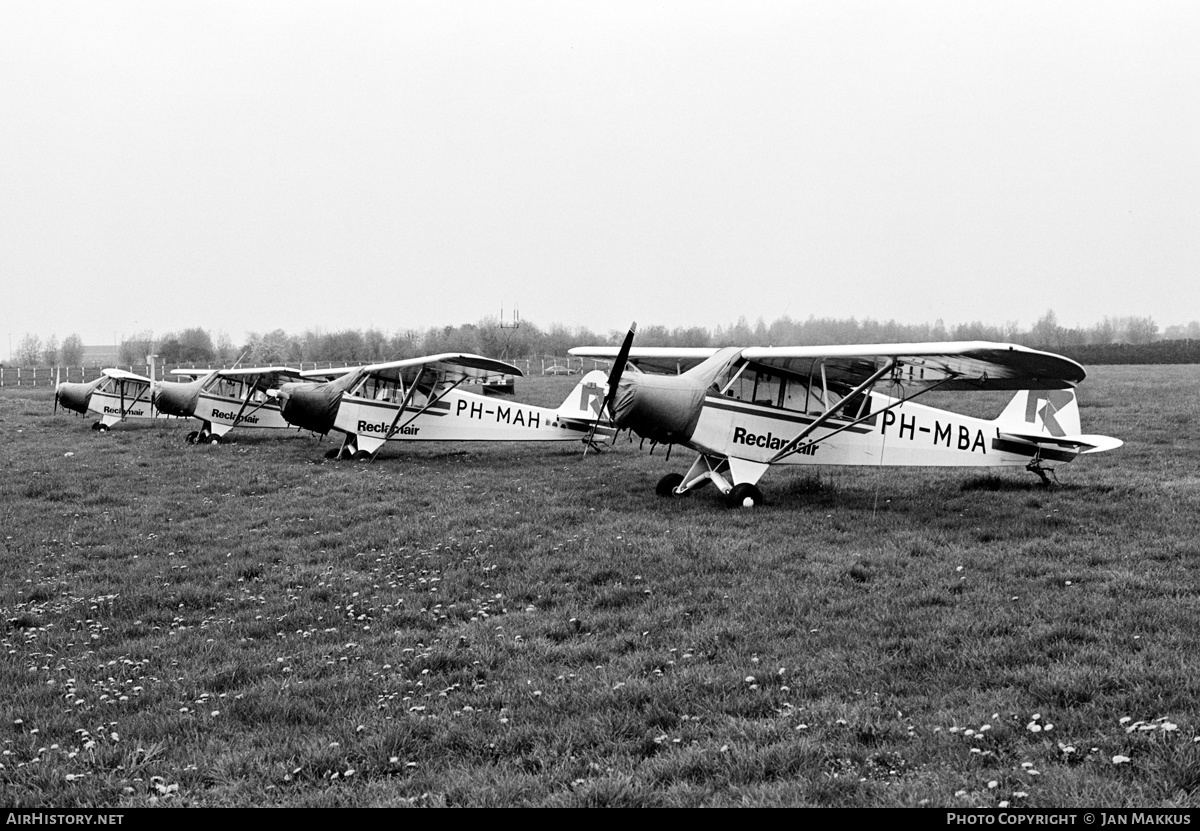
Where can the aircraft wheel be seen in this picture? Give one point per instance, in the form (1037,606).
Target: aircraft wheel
(744,496)
(192,436)
(102,427)
(212,438)
(362,456)
(333,453)
(666,486)
(95,425)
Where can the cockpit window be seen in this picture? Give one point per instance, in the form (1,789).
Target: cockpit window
(800,394)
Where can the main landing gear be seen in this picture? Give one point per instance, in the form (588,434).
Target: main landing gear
(348,451)
(202,436)
(744,495)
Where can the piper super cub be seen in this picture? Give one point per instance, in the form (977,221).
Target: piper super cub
(745,409)
(419,400)
(115,396)
(224,398)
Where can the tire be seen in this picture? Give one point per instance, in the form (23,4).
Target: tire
(666,486)
(102,427)
(192,436)
(333,453)
(362,456)
(744,496)
(212,438)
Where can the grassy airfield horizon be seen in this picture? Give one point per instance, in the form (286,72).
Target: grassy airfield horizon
(514,624)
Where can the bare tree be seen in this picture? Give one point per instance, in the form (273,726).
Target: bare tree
(29,351)
(71,350)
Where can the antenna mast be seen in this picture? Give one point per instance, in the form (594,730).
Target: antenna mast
(515,324)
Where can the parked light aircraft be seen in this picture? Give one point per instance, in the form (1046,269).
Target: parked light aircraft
(745,409)
(224,398)
(115,396)
(420,400)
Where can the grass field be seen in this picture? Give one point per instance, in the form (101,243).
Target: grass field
(248,624)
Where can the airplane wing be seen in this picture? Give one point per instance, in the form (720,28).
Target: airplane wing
(327,374)
(268,377)
(653,359)
(122,375)
(193,373)
(960,365)
(446,367)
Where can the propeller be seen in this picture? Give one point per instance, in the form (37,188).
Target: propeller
(614,378)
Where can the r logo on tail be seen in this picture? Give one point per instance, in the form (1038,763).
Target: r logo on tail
(1055,400)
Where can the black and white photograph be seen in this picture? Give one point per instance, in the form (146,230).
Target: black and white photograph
(660,404)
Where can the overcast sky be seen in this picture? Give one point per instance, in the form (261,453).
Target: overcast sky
(247,166)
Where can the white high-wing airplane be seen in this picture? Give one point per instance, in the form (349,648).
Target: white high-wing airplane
(745,409)
(419,400)
(224,398)
(115,396)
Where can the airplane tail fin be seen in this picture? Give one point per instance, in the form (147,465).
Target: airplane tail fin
(585,401)
(1048,420)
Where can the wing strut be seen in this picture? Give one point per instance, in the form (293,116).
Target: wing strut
(149,392)
(404,407)
(391,431)
(829,413)
(245,401)
(792,446)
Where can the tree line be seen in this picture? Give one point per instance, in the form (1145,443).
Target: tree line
(1112,340)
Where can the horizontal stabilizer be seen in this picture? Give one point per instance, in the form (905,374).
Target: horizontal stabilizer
(1079,443)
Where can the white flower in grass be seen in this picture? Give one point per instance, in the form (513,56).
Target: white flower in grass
(1120,760)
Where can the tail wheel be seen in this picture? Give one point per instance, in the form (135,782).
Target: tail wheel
(666,486)
(744,496)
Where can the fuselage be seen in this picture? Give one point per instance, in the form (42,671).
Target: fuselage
(910,434)
(117,399)
(458,416)
(227,412)
(221,402)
